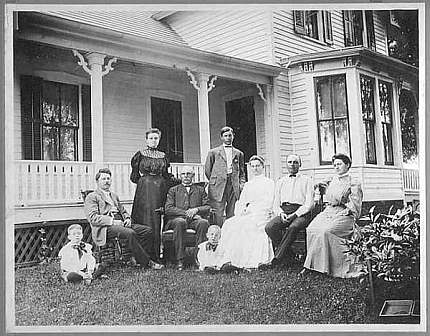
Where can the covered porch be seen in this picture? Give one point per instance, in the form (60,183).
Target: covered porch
(122,86)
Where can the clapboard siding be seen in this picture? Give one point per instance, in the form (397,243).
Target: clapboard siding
(243,34)
(377,183)
(288,43)
(284,115)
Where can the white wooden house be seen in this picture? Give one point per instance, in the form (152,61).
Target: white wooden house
(87,84)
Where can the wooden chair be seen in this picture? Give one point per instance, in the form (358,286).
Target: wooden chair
(115,250)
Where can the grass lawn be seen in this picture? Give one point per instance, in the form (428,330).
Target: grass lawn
(133,296)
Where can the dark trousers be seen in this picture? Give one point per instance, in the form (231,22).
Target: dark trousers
(227,203)
(284,234)
(179,225)
(139,238)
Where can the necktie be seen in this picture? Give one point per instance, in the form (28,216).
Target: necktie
(228,146)
(81,249)
(210,246)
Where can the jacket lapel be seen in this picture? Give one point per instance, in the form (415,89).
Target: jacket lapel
(222,152)
(107,200)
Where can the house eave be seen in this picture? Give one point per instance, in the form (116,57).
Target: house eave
(367,56)
(68,34)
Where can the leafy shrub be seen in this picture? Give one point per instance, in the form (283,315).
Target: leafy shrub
(390,242)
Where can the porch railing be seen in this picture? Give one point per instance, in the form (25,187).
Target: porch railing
(60,182)
(411,181)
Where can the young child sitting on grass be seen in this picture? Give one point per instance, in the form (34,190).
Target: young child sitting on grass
(211,257)
(77,262)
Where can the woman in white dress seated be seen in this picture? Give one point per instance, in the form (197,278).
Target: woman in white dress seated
(326,234)
(243,238)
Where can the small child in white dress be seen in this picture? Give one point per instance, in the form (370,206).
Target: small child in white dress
(77,262)
(211,257)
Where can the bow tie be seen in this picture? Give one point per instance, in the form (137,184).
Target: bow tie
(292,175)
(210,246)
(228,146)
(81,249)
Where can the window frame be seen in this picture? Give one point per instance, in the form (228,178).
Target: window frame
(387,128)
(323,25)
(333,118)
(59,125)
(369,121)
(367,35)
(32,97)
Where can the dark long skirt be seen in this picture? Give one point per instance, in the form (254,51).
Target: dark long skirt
(150,195)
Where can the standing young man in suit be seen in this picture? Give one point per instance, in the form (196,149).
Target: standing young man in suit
(225,170)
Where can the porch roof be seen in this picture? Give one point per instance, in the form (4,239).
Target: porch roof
(390,64)
(64,33)
(133,22)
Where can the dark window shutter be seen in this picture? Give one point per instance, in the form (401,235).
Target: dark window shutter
(86,122)
(347,28)
(299,21)
(328,32)
(31,92)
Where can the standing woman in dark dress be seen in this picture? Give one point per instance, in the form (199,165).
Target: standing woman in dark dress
(149,172)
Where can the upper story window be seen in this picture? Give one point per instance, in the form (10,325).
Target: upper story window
(359,28)
(50,120)
(314,24)
(332,116)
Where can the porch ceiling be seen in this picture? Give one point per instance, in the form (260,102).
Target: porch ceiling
(67,34)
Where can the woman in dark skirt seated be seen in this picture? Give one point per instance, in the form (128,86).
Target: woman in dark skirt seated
(149,172)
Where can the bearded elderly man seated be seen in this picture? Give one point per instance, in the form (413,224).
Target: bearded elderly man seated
(186,204)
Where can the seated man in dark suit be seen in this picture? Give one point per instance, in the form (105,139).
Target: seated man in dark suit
(186,204)
(109,219)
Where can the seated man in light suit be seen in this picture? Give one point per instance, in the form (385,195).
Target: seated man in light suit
(109,219)
(186,204)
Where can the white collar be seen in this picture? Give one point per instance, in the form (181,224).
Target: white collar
(343,175)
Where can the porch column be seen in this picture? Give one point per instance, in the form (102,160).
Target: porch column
(203,87)
(94,68)
(274,133)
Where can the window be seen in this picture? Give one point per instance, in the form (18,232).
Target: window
(386,105)
(314,24)
(332,116)
(367,88)
(356,26)
(353,24)
(50,120)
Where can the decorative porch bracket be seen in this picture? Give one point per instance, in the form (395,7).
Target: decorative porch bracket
(203,86)
(261,93)
(96,68)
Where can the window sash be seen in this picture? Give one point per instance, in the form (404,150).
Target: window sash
(370,30)
(385,105)
(333,128)
(50,119)
(367,87)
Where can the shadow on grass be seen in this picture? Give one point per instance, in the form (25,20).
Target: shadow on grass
(133,296)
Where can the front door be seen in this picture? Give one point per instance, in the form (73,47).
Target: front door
(240,115)
(166,115)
